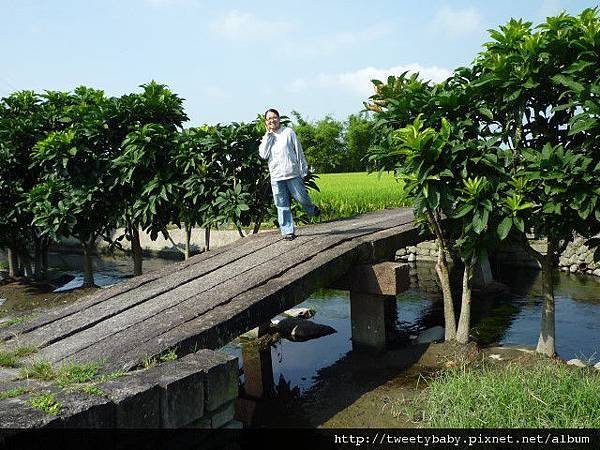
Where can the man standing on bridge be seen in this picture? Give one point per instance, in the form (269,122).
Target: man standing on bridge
(287,166)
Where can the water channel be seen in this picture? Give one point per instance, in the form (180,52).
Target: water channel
(301,369)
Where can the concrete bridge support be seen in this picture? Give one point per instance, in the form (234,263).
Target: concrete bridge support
(373,289)
(259,384)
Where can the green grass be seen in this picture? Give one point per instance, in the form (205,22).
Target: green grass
(93,390)
(40,370)
(10,393)
(45,401)
(151,361)
(548,394)
(76,373)
(110,376)
(169,355)
(348,194)
(7,359)
(10,358)
(15,321)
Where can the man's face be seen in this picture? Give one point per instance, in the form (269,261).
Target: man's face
(272,120)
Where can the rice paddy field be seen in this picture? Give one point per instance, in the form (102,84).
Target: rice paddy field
(348,194)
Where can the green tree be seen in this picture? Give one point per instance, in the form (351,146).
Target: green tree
(144,130)
(73,198)
(20,127)
(196,168)
(530,80)
(322,142)
(25,118)
(432,164)
(359,137)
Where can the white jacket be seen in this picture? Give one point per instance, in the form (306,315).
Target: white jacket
(284,152)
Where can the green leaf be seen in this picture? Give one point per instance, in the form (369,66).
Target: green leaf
(486,112)
(568,82)
(513,96)
(504,227)
(480,220)
(462,211)
(582,124)
(518,222)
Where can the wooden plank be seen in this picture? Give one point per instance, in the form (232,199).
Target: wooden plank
(187,310)
(169,300)
(220,324)
(105,318)
(244,246)
(229,252)
(102,310)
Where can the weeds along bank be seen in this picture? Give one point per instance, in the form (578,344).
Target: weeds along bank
(518,391)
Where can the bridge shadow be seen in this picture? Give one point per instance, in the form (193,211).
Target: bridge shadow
(265,402)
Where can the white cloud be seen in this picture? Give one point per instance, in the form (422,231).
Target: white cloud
(457,22)
(359,81)
(240,26)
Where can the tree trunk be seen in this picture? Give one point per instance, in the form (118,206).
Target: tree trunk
(207,237)
(136,250)
(25,265)
(240,231)
(442,271)
(546,342)
(88,268)
(44,267)
(464,322)
(257,225)
(37,258)
(13,263)
(188,237)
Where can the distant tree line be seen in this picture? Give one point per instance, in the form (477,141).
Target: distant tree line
(333,146)
(81,164)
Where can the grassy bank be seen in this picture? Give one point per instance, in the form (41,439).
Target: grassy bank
(348,194)
(542,393)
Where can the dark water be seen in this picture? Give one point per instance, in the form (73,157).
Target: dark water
(512,320)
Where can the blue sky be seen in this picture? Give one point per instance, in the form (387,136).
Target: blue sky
(232,59)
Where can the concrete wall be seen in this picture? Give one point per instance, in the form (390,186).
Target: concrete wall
(164,247)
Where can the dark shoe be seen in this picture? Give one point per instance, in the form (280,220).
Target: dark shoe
(289,237)
(317,212)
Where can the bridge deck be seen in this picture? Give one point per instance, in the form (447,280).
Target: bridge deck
(211,298)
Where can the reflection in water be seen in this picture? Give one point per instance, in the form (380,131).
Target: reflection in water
(305,372)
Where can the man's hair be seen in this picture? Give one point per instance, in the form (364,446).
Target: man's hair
(271,110)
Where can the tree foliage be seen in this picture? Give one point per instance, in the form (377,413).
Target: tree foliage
(517,147)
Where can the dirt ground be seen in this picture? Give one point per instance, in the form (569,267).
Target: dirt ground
(395,378)
(22,298)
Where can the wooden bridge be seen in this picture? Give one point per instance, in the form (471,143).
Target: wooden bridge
(211,298)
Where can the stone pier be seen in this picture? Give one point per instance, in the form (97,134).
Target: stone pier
(373,289)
